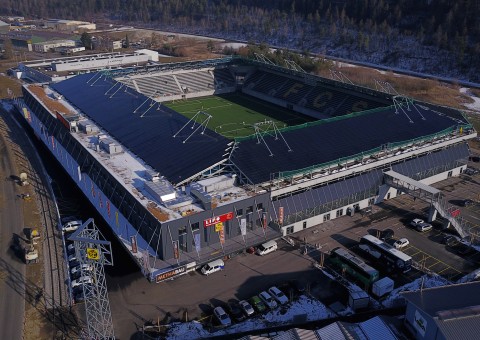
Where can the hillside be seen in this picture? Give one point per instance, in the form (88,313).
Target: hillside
(438,37)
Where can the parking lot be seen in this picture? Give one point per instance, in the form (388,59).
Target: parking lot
(135,301)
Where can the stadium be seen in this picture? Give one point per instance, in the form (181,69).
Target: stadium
(189,162)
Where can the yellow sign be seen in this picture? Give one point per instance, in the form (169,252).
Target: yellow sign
(218,226)
(93,254)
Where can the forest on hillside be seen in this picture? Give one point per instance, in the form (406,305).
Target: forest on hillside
(433,36)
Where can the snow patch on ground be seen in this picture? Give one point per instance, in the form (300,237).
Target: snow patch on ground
(306,308)
(476,100)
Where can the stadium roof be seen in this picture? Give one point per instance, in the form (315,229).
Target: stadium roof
(150,137)
(330,140)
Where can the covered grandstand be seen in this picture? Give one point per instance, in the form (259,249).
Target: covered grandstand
(174,175)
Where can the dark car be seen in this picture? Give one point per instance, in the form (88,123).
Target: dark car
(467,203)
(235,311)
(474,159)
(450,240)
(257,304)
(386,234)
(470,171)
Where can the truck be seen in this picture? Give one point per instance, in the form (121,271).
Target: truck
(31,254)
(382,287)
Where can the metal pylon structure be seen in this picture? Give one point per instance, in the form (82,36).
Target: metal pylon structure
(339,76)
(93,253)
(268,127)
(199,122)
(385,86)
(404,104)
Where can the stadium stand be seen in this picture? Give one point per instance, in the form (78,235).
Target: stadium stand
(322,99)
(223,77)
(162,85)
(195,81)
(336,139)
(308,170)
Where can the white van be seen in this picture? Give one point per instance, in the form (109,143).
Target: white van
(266,248)
(212,267)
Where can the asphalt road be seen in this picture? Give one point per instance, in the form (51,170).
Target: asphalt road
(11,223)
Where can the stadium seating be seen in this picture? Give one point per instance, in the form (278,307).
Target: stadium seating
(162,85)
(195,81)
(223,78)
(322,99)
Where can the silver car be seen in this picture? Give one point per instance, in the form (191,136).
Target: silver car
(268,300)
(222,316)
(278,295)
(246,308)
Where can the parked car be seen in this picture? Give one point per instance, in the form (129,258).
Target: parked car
(386,234)
(246,308)
(278,295)
(235,311)
(71,226)
(71,248)
(450,240)
(421,225)
(81,280)
(471,171)
(474,159)
(401,243)
(467,203)
(222,316)
(258,304)
(268,300)
(77,269)
(70,251)
(72,258)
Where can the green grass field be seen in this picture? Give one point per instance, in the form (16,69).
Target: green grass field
(234,114)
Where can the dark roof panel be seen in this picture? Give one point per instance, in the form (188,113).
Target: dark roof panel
(150,137)
(433,300)
(326,142)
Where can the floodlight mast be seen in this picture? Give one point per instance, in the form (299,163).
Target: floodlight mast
(400,101)
(270,125)
(340,76)
(193,120)
(385,86)
(143,103)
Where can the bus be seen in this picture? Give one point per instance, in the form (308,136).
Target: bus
(393,260)
(353,266)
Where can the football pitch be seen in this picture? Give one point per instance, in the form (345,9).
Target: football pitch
(234,114)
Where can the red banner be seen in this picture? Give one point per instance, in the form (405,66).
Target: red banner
(176,254)
(280,215)
(264,220)
(133,240)
(217,219)
(221,234)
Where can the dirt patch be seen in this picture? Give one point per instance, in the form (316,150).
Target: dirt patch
(427,90)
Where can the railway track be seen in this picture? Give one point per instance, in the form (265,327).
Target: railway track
(53,297)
